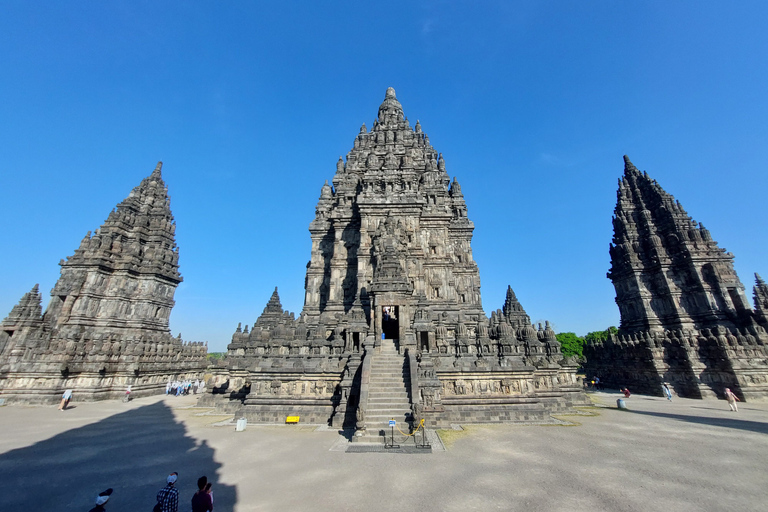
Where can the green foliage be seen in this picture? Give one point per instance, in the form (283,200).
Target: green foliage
(214,357)
(571,345)
(600,335)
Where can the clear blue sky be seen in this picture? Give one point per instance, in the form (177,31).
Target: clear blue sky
(250,104)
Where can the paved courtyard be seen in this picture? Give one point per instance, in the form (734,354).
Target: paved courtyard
(684,455)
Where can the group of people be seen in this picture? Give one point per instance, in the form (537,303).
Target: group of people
(168,497)
(184,387)
(730,396)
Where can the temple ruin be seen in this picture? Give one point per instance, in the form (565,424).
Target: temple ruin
(685,317)
(393,325)
(106,325)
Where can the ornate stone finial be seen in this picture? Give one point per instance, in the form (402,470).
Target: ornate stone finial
(340,165)
(326,192)
(363,129)
(417,128)
(455,187)
(157,172)
(629,166)
(390,93)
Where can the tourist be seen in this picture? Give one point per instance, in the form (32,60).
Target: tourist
(210,492)
(667,391)
(101,500)
(168,496)
(202,501)
(626,392)
(597,383)
(65,398)
(168,388)
(732,399)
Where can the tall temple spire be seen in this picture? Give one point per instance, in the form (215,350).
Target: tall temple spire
(667,270)
(137,239)
(391,266)
(107,323)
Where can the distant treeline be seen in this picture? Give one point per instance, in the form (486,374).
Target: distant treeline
(573,345)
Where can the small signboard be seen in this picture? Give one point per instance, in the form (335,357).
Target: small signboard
(292,419)
(392,423)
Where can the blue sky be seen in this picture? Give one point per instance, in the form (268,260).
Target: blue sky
(249,105)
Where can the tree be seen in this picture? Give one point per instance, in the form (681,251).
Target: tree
(570,344)
(594,336)
(215,357)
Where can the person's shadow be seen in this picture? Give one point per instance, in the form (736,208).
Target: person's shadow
(133,452)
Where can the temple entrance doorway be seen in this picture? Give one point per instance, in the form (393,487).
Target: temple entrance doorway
(390,325)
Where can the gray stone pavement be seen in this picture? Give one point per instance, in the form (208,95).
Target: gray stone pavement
(684,455)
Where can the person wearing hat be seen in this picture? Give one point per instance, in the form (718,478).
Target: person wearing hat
(101,500)
(168,496)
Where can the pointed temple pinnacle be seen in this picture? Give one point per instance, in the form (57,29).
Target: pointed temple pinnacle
(157,172)
(628,165)
(390,93)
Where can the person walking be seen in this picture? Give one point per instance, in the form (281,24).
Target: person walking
(732,399)
(667,391)
(65,398)
(168,496)
(202,500)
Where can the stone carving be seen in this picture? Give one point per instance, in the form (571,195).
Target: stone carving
(391,257)
(106,325)
(685,318)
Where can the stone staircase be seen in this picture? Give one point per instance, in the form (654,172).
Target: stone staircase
(387,394)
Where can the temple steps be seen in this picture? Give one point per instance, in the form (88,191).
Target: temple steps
(387,393)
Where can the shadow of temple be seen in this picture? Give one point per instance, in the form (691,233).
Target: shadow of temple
(133,452)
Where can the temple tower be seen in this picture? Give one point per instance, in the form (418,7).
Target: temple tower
(391,234)
(667,270)
(124,275)
(685,318)
(392,308)
(106,325)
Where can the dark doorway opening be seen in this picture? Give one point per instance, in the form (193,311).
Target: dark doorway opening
(424,341)
(390,325)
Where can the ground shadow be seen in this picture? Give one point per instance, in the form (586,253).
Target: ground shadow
(132,452)
(730,422)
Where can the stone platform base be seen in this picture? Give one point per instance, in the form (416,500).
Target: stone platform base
(315,412)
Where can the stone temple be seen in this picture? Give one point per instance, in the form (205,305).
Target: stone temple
(393,325)
(106,325)
(685,317)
